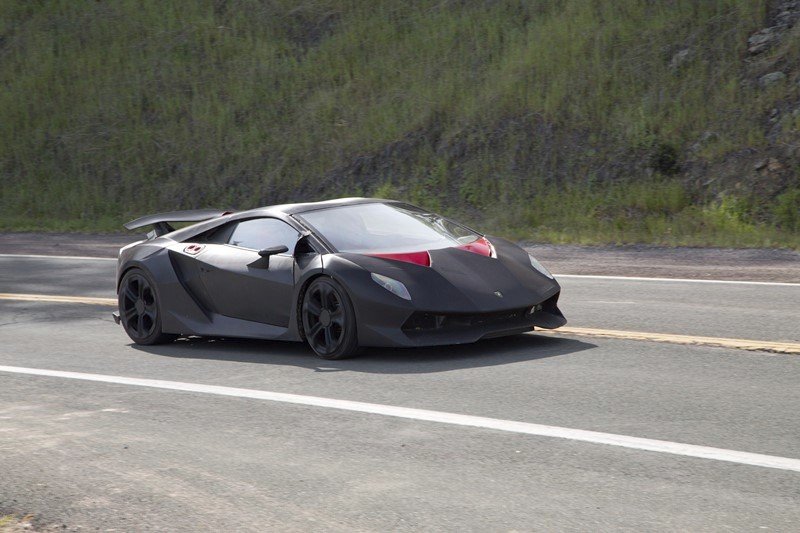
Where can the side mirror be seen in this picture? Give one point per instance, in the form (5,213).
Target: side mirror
(272,250)
(266,253)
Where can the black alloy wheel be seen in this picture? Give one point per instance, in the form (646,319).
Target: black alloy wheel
(329,320)
(139,310)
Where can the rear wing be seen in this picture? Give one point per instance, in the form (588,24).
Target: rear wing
(160,221)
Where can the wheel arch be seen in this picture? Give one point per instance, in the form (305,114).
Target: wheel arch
(127,268)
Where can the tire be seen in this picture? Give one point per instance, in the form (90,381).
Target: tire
(140,309)
(328,319)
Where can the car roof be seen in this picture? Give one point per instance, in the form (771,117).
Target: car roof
(292,209)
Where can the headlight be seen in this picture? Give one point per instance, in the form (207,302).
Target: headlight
(540,267)
(392,285)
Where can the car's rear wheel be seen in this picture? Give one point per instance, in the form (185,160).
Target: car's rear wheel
(139,310)
(329,321)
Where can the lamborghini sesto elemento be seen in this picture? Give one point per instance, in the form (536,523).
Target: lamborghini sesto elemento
(338,275)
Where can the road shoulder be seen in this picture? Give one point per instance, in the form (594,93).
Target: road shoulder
(775,265)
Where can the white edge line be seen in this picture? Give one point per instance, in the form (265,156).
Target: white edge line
(577,276)
(75,257)
(680,280)
(624,441)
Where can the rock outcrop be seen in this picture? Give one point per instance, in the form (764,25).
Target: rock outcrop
(783,17)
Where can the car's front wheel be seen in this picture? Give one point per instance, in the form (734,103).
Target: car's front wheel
(139,309)
(329,321)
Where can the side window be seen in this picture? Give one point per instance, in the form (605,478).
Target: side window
(260,233)
(219,235)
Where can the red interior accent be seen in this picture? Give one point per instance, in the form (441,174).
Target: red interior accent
(480,247)
(418,258)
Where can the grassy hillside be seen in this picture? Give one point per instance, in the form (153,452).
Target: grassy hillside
(558,120)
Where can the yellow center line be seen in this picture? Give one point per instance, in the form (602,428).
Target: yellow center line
(60,299)
(690,340)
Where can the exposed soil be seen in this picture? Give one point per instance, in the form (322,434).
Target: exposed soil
(73,244)
(29,524)
(637,260)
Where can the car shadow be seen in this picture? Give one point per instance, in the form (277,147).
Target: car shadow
(488,352)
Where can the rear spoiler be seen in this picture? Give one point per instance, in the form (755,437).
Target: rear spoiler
(160,221)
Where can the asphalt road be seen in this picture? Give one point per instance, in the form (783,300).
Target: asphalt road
(108,456)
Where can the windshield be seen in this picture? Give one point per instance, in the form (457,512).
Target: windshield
(373,228)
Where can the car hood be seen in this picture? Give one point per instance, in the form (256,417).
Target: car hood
(463,281)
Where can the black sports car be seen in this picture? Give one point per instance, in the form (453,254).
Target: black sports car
(338,274)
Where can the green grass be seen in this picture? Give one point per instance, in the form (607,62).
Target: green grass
(539,119)
(656,211)
(11,524)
